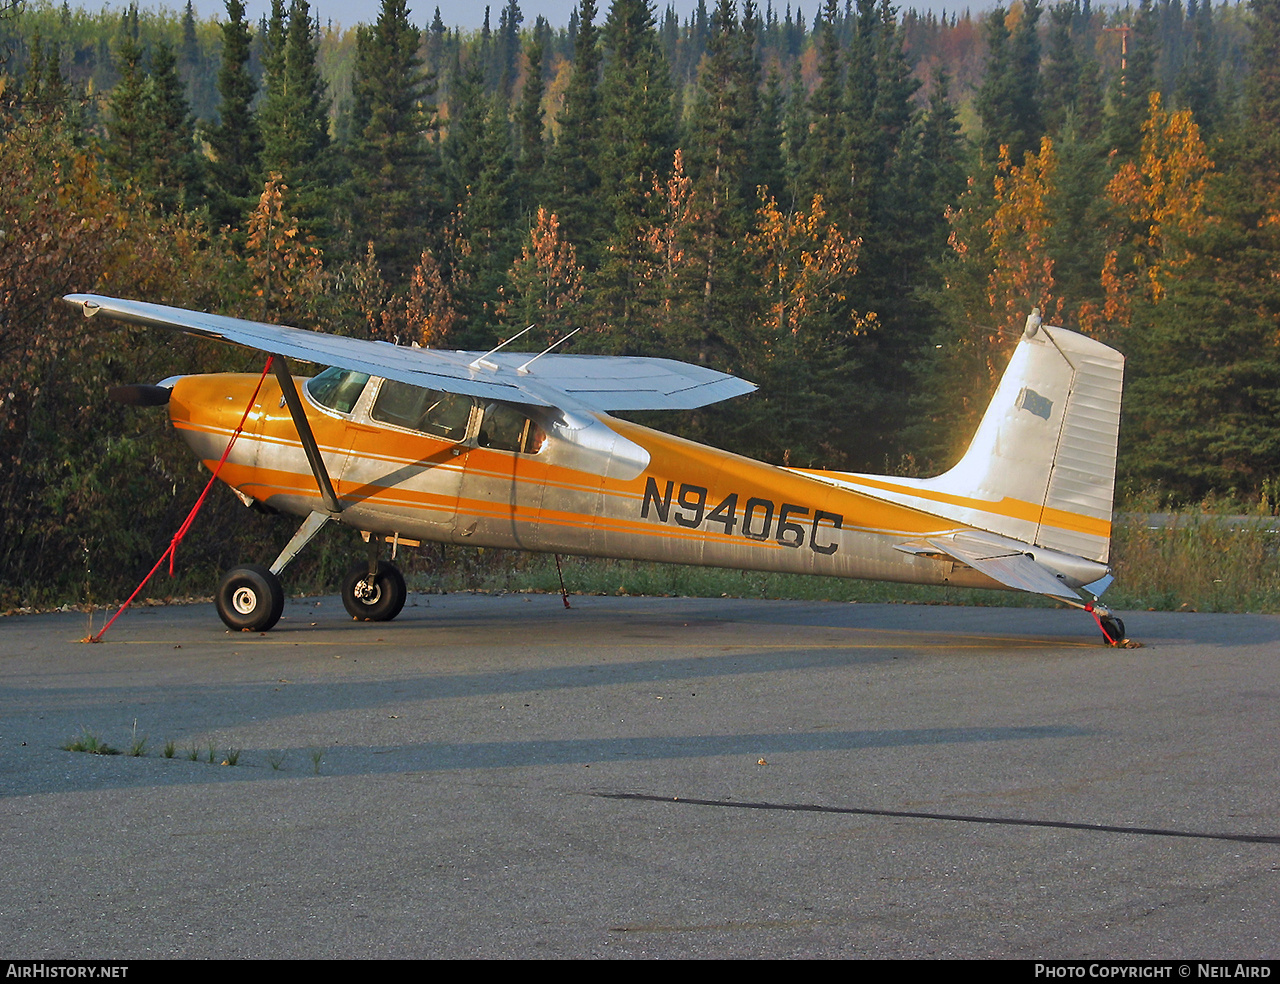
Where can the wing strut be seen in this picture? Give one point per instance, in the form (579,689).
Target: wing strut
(299,415)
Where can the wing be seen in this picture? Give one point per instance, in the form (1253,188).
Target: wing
(597,383)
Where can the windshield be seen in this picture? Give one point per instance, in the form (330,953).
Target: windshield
(337,389)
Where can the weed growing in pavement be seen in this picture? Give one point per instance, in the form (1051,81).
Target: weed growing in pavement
(90,743)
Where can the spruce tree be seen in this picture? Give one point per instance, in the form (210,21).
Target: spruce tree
(767,166)
(126,110)
(826,168)
(531,166)
(574,165)
(396,198)
(864,143)
(1062,71)
(719,162)
(637,120)
(468,119)
(1134,84)
(173,173)
(294,115)
(1198,81)
(508,49)
(637,143)
(235,142)
(1008,102)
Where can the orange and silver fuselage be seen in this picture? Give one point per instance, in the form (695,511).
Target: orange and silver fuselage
(596,486)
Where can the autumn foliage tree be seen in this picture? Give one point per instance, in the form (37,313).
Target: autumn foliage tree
(801,352)
(286,268)
(545,287)
(1159,200)
(84,483)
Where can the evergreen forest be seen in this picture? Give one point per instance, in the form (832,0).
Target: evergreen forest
(855,206)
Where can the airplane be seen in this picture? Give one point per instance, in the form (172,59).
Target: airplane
(521,450)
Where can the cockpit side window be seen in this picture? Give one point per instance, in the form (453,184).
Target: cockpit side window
(443,415)
(337,389)
(507,429)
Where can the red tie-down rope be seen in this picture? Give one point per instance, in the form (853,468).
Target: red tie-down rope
(191,516)
(1101,628)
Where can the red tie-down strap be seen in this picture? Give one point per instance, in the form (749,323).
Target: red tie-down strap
(186,524)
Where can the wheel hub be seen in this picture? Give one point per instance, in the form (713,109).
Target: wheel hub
(244,601)
(367,592)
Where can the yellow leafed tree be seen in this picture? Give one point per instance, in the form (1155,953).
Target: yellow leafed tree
(287,270)
(805,262)
(1021,268)
(1161,198)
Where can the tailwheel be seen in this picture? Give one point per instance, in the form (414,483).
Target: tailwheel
(250,598)
(1112,629)
(376,599)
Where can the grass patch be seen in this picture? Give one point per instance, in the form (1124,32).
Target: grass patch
(90,743)
(1199,560)
(1202,561)
(516,572)
(137,746)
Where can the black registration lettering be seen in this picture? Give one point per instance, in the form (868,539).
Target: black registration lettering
(693,499)
(791,534)
(748,516)
(693,510)
(837,523)
(661,505)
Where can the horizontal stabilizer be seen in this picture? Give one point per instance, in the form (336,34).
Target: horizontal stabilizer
(1011,566)
(594,383)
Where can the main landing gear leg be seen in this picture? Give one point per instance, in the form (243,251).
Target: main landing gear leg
(251,597)
(374,591)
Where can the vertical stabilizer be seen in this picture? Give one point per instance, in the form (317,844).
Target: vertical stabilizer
(1042,466)
(1045,453)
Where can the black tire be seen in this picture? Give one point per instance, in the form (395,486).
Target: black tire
(250,597)
(383,602)
(1113,630)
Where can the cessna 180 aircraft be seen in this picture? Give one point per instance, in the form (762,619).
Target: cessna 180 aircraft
(520,451)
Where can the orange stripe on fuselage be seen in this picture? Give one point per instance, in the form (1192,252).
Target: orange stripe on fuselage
(1009,508)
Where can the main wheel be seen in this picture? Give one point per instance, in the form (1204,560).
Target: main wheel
(1113,630)
(379,602)
(250,597)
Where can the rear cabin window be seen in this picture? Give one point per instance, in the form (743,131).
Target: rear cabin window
(337,389)
(443,415)
(507,429)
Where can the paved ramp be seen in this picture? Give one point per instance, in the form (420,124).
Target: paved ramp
(496,777)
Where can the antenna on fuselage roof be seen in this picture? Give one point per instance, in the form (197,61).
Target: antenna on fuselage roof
(481,361)
(564,338)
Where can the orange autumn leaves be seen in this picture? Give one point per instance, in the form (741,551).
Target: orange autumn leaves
(1154,205)
(1162,198)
